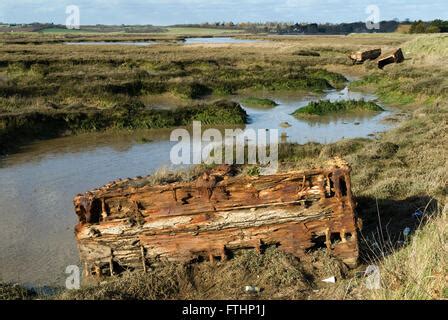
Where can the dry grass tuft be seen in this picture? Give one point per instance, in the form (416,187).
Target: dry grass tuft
(277,275)
(419,270)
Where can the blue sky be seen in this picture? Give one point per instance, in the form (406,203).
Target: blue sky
(165,12)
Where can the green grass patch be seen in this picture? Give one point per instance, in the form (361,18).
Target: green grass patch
(398,97)
(192,90)
(221,112)
(398,90)
(259,102)
(326,107)
(15,292)
(336,80)
(64,30)
(131,115)
(306,53)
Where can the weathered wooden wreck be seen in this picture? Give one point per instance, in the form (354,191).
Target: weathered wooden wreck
(395,56)
(130,224)
(359,57)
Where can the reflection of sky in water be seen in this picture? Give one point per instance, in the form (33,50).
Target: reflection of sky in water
(38,184)
(219,40)
(112,43)
(36,212)
(325,130)
(205,40)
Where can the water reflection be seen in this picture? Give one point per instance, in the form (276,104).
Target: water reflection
(112,43)
(325,129)
(209,40)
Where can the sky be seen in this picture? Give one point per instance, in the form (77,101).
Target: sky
(168,12)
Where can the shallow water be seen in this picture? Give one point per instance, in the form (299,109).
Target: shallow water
(111,43)
(205,40)
(218,40)
(323,130)
(37,220)
(38,183)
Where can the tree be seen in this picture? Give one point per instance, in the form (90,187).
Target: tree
(433,29)
(442,25)
(418,27)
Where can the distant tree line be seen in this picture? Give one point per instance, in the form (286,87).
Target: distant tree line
(300,28)
(435,26)
(420,26)
(341,28)
(36,27)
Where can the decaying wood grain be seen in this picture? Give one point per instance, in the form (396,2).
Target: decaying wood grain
(395,56)
(359,57)
(129,225)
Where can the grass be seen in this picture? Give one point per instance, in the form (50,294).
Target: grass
(417,271)
(307,53)
(131,115)
(278,275)
(88,86)
(392,176)
(326,107)
(389,167)
(259,102)
(427,49)
(64,30)
(418,81)
(15,292)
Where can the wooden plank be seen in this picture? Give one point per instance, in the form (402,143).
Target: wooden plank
(361,56)
(122,226)
(395,56)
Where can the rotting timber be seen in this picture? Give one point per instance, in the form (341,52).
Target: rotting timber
(359,57)
(395,56)
(130,225)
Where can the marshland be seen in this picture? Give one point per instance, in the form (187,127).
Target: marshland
(74,117)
